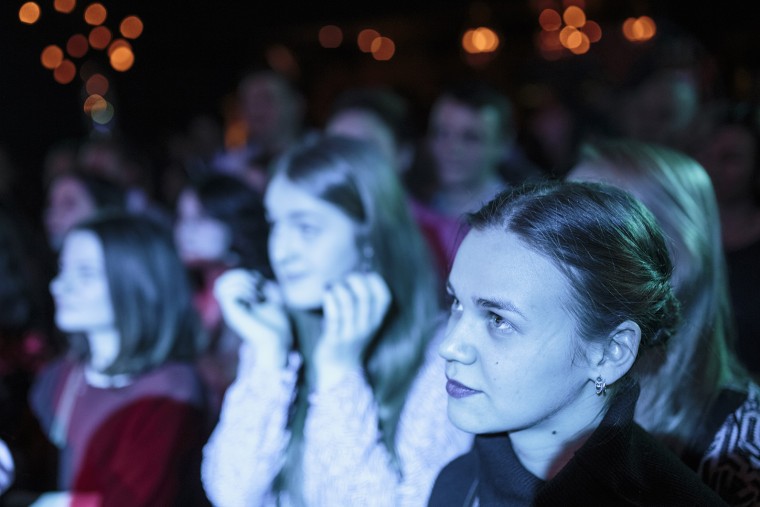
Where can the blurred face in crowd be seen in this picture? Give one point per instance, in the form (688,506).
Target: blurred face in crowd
(199,237)
(510,347)
(68,204)
(730,157)
(465,143)
(312,243)
(81,290)
(364,125)
(271,110)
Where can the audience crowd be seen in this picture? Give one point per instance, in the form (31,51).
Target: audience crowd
(491,303)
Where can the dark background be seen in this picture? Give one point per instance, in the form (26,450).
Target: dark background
(192,53)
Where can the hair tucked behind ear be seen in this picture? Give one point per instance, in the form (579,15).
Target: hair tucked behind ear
(607,244)
(679,387)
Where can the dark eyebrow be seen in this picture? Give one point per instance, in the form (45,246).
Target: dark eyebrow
(491,304)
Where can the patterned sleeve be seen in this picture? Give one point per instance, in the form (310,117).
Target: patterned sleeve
(345,462)
(731,464)
(247,447)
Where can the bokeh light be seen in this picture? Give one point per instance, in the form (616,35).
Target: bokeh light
(122,58)
(65,72)
(330,36)
(593,31)
(118,43)
(550,20)
(383,48)
(51,57)
(94,102)
(100,37)
(77,46)
(281,59)
(574,16)
(97,84)
(64,6)
(580,44)
(95,14)
(131,27)
(102,115)
(29,13)
(639,29)
(365,38)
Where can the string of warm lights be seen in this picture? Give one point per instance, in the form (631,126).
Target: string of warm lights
(68,60)
(565,31)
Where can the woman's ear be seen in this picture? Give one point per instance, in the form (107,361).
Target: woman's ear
(619,352)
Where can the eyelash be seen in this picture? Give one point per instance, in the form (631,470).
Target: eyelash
(495,321)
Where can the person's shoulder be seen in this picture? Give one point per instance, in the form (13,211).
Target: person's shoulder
(454,481)
(178,380)
(663,476)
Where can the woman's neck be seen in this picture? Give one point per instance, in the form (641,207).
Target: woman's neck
(548,446)
(104,348)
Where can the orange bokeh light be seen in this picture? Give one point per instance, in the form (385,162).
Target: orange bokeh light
(550,20)
(639,29)
(118,43)
(94,102)
(582,45)
(131,27)
(51,57)
(29,13)
(97,84)
(574,16)
(383,48)
(100,37)
(122,58)
(77,46)
(65,72)
(480,40)
(95,14)
(593,31)
(64,6)
(365,39)
(330,36)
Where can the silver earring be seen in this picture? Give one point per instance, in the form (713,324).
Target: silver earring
(601,386)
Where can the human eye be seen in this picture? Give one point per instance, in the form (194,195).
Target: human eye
(499,323)
(308,230)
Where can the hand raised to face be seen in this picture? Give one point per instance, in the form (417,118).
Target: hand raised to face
(252,307)
(354,310)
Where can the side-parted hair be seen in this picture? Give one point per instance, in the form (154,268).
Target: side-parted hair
(149,290)
(354,176)
(605,242)
(678,386)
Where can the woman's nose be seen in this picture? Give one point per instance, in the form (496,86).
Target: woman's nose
(456,344)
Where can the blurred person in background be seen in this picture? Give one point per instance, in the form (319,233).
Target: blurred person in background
(220,225)
(728,145)
(335,402)
(125,405)
(695,395)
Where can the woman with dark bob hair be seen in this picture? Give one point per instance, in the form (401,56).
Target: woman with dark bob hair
(125,407)
(337,400)
(555,289)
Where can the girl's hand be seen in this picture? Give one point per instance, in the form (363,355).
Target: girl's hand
(354,309)
(252,307)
